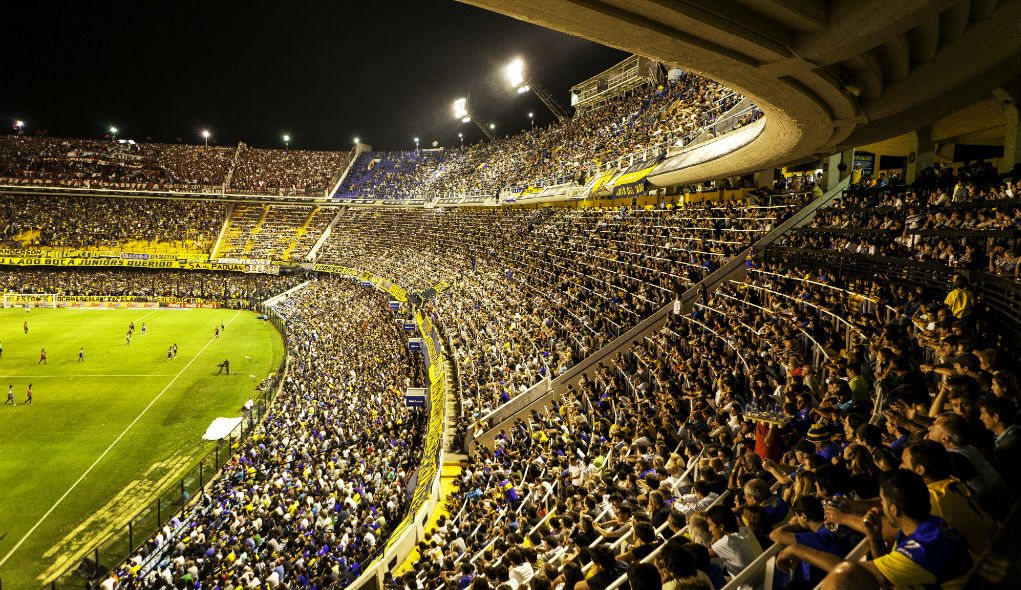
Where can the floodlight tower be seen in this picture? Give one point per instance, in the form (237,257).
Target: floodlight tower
(463,112)
(515,72)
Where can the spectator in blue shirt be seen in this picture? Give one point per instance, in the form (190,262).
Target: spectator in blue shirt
(807,528)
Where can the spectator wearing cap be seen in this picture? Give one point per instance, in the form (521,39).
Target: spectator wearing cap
(927,550)
(820,436)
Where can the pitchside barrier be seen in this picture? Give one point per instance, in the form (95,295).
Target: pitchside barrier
(111,553)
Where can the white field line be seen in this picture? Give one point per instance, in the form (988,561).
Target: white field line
(100,458)
(146,315)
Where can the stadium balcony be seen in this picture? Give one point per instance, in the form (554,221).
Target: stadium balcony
(827,77)
(636,129)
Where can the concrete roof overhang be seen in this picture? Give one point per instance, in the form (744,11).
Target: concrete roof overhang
(829,75)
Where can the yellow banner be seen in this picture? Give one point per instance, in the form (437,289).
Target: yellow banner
(120,262)
(396,291)
(603,179)
(430,466)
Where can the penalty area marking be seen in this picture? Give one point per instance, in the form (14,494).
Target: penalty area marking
(96,462)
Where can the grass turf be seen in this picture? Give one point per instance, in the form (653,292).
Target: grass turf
(81,408)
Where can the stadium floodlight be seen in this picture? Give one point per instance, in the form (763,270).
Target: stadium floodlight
(205,136)
(515,73)
(113,130)
(287,141)
(357,141)
(19,124)
(492,126)
(531,119)
(461,110)
(461,137)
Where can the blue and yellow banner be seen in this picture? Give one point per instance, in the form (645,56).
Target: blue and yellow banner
(632,182)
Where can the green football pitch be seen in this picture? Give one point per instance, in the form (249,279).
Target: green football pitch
(105,436)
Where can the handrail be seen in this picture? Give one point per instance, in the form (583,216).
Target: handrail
(857,553)
(754,569)
(655,553)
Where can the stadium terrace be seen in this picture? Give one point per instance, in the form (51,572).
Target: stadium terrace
(541,361)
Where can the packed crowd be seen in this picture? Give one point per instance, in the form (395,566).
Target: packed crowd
(147,283)
(273,232)
(85,163)
(887,429)
(285,172)
(101,223)
(313,495)
(122,164)
(644,119)
(532,292)
(969,226)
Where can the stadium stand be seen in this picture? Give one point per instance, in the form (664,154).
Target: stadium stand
(285,172)
(273,232)
(123,164)
(332,497)
(858,360)
(160,226)
(642,120)
(145,283)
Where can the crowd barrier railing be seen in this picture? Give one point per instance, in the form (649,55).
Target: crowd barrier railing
(174,501)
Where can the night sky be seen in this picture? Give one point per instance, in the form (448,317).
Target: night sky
(322,72)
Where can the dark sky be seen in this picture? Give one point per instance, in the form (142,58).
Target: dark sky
(324,72)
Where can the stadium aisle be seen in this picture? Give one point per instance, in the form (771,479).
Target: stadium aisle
(448,477)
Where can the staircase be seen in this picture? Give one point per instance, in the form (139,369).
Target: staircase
(233,165)
(299,233)
(223,230)
(255,230)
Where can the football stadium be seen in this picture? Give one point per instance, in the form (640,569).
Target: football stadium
(742,291)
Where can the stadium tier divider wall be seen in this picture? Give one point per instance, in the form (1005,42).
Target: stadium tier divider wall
(545,393)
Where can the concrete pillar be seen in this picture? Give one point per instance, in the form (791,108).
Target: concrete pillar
(831,172)
(1012,135)
(765,177)
(921,150)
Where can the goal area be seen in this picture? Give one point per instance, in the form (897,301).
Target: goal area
(30,300)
